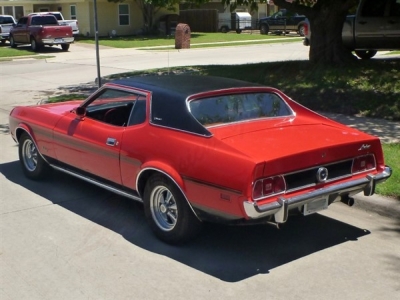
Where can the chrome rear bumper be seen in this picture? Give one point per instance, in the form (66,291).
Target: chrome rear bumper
(280,209)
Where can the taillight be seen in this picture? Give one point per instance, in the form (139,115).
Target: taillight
(305,28)
(363,163)
(267,187)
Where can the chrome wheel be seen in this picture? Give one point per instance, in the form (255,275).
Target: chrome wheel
(29,155)
(163,208)
(168,212)
(33,164)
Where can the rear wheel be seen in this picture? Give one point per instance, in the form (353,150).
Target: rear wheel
(264,29)
(65,47)
(12,42)
(33,165)
(365,54)
(301,30)
(34,45)
(167,211)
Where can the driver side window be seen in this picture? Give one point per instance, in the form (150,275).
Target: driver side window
(114,107)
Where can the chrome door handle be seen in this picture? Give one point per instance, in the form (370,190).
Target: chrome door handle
(111,142)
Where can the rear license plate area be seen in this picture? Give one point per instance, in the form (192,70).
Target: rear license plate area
(315,205)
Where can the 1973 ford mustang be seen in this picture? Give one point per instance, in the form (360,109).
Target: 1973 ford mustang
(198,148)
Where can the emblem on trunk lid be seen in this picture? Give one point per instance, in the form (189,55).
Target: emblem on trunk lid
(364,147)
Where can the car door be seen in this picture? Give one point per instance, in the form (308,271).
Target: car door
(91,144)
(20,31)
(371,24)
(392,35)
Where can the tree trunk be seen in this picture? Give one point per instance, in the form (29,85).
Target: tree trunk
(326,21)
(326,44)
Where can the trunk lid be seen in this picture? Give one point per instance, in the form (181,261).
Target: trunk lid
(290,145)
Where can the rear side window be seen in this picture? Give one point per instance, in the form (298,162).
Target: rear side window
(373,8)
(238,107)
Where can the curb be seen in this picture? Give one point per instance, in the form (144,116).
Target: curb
(383,206)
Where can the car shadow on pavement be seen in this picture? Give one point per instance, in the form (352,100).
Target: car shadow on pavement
(229,253)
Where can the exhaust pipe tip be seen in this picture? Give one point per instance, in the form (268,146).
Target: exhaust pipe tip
(347,200)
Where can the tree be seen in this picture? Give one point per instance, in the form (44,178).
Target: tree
(326,20)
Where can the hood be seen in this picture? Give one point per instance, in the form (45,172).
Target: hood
(60,107)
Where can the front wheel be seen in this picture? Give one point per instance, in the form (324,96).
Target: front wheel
(365,54)
(168,212)
(33,165)
(12,42)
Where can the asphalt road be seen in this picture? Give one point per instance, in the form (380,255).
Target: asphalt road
(65,239)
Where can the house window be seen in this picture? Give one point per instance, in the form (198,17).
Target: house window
(8,10)
(123,14)
(18,12)
(15,11)
(73,12)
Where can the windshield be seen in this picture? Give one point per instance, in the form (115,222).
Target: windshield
(238,107)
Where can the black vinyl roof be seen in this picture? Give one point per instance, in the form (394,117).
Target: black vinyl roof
(169,94)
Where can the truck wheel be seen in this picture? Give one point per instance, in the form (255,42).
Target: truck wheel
(264,29)
(167,211)
(34,45)
(301,30)
(65,47)
(224,29)
(238,31)
(12,42)
(365,54)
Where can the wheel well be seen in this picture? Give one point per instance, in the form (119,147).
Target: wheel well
(145,175)
(19,132)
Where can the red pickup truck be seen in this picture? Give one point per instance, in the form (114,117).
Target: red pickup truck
(40,30)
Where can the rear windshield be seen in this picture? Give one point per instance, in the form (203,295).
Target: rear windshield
(238,107)
(44,20)
(6,20)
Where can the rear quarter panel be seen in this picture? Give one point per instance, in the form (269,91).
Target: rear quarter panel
(212,175)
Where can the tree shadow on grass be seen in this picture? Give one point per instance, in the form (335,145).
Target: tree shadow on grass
(229,253)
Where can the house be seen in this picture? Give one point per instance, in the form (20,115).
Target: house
(120,18)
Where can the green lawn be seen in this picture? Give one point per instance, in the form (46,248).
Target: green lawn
(196,40)
(6,52)
(391,187)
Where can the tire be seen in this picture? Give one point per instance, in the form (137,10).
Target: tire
(365,54)
(167,211)
(224,29)
(238,31)
(65,47)
(301,30)
(33,164)
(264,29)
(34,45)
(12,42)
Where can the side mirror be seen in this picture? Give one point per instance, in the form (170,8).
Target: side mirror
(80,112)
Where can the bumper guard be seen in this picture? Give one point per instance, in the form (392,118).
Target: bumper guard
(280,209)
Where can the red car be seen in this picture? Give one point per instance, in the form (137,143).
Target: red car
(198,148)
